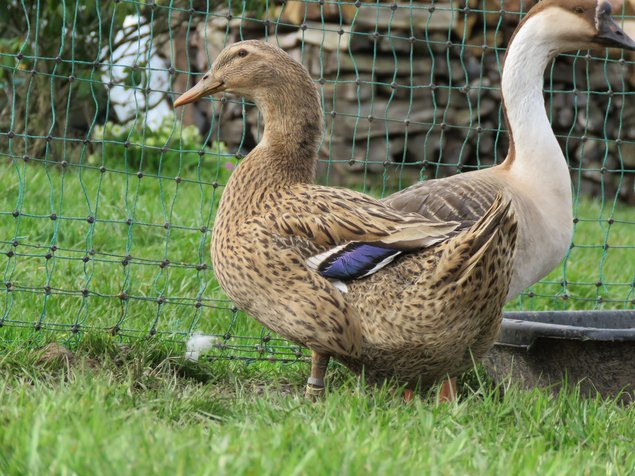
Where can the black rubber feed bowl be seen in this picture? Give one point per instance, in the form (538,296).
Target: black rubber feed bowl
(594,350)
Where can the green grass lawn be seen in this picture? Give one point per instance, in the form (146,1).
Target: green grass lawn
(136,407)
(141,410)
(167,281)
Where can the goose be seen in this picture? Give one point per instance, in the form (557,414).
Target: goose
(410,288)
(535,174)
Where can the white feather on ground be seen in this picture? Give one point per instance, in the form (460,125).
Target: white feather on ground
(197,344)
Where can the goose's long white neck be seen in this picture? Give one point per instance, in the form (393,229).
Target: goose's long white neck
(537,158)
(535,170)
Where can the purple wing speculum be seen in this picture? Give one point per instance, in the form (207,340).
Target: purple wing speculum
(352,261)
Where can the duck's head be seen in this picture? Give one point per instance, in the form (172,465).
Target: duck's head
(578,24)
(249,69)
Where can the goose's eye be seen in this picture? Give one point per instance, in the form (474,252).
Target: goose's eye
(579,10)
(242,53)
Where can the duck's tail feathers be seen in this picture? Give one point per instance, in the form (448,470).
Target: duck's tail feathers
(467,249)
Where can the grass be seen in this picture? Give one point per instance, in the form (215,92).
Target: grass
(84,286)
(599,271)
(142,410)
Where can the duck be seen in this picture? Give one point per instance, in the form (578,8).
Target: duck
(390,294)
(411,287)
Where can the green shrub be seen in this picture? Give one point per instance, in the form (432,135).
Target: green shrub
(167,150)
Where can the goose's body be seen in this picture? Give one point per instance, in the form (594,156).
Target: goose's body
(545,221)
(425,272)
(534,175)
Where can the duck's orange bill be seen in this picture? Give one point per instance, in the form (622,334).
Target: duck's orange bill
(201,89)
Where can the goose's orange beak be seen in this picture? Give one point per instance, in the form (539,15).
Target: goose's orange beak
(206,86)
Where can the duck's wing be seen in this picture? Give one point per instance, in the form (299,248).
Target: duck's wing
(463,253)
(359,235)
(331,216)
(352,260)
(460,199)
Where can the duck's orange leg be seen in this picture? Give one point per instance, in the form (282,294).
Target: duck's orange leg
(447,393)
(315,383)
(408,395)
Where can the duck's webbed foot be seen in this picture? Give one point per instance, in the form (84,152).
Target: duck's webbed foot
(447,393)
(315,383)
(408,395)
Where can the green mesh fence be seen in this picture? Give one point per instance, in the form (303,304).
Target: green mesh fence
(108,197)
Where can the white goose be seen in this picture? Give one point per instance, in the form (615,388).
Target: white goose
(535,174)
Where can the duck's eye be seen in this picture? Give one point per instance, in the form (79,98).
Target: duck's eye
(242,53)
(579,10)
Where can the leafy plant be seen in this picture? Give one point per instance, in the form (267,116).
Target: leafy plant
(52,56)
(169,149)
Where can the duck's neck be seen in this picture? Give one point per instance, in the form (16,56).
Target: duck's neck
(287,151)
(534,154)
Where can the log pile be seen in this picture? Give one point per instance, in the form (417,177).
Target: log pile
(412,91)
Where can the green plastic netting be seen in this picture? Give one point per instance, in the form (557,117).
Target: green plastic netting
(108,197)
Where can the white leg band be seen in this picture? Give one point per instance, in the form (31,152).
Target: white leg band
(316,382)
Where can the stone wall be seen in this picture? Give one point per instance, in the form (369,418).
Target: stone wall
(412,91)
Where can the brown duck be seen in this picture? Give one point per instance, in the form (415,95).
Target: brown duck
(412,287)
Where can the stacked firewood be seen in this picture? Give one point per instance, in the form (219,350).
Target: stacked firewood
(413,90)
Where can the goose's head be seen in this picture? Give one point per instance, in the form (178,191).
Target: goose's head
(252,69)
(577,24)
